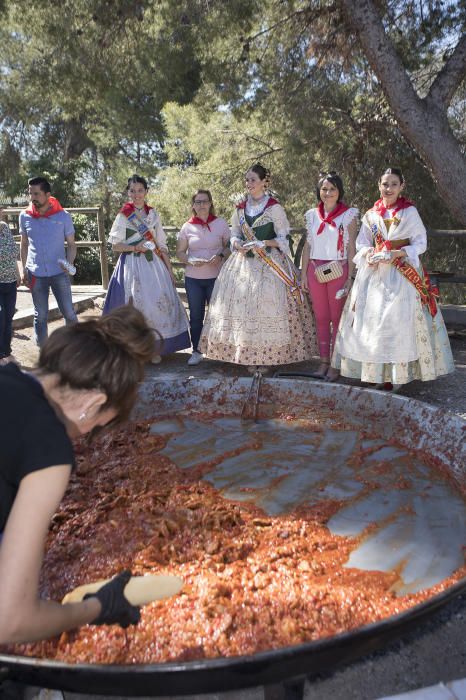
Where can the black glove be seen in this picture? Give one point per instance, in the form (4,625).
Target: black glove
(115,607)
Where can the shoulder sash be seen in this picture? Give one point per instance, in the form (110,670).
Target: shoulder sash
(427,292)
(144,230)
(289,278)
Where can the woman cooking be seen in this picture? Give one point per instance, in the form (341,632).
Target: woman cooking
(87,378)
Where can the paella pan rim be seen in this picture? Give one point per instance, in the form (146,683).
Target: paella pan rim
(227,673)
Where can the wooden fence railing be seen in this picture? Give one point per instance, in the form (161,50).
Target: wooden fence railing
(298,236)
(439,276)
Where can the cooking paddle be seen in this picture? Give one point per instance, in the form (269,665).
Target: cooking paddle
(140,590)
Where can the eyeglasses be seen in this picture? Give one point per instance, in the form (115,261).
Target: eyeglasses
(201,201)
(324,173)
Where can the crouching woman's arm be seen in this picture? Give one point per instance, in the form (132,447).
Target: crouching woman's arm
(23,615)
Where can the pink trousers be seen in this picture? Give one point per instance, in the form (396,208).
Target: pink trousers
(327,309)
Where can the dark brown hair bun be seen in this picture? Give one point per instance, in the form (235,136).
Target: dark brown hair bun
(108,354)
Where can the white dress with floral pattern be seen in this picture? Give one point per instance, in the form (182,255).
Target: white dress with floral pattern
(253,319)
(386,334)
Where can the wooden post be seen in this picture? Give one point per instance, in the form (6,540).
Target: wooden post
(103,248)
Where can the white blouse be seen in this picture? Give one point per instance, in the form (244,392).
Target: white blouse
(324,245)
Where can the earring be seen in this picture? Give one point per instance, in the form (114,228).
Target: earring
(82,416)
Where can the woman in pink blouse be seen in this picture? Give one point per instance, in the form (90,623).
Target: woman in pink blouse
(203,243)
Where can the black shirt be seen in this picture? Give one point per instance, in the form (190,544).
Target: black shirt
(31,435)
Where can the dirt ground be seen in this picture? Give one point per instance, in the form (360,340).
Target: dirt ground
(448,392)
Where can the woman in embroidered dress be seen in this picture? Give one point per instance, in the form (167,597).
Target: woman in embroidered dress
(143,275)
(202,247)
(331,234)
(258,315)
(391,330)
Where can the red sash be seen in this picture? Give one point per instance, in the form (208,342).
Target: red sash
(427,291)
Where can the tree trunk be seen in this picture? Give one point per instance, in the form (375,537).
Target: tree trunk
(423,122)
(76,142)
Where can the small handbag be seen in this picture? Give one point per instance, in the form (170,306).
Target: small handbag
(329,271)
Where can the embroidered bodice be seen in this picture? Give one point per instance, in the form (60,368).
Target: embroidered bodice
(266,222)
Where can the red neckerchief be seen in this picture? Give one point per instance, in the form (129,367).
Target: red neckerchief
(201,222)
(129,208)
(330,218)
(270,202)
(401,203)
(55,207)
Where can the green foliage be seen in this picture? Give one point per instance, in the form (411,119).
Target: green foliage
(205,150)
(92,81)
(190,94)
(214,150)
(83,97)
(85,226)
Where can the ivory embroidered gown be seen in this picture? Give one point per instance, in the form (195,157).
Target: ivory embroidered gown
(386,333)
(253,317)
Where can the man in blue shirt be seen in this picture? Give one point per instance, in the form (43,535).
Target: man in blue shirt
(44,228)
